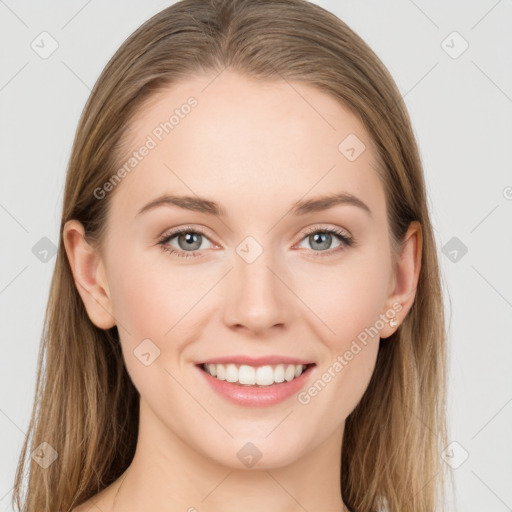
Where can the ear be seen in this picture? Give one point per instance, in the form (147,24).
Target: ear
(405,279)
(89,275)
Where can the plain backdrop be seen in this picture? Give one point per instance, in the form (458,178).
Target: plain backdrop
(452,62)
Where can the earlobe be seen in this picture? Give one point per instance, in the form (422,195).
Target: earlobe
(89,275)
(405,279)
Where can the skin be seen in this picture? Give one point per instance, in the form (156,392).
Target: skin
(255,148)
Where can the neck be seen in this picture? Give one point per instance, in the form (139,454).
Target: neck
(168,475)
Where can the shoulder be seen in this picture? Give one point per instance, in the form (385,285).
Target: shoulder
(89,506)
(84,507)
(103,501)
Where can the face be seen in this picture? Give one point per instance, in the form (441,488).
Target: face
(261,269)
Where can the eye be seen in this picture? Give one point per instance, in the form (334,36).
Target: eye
(188,240)
(322,238)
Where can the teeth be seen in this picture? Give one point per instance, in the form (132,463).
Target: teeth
(250,375)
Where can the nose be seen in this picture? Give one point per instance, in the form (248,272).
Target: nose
(257,296)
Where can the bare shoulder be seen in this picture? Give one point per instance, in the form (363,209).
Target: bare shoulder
(84,507)
(91,505)
(100,502)
(103,501)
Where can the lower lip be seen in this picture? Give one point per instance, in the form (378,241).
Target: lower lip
(255,396)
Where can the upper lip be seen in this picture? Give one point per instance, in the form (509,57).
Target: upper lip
(255,361)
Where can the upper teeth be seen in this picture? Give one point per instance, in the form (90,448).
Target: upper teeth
(250,375)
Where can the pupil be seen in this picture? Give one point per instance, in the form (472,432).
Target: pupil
(191,239)
(317,237)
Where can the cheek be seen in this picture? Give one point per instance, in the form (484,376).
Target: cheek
(150,296)
(159,309)
(351,344)
(345,299)
(348,299)
(153,305)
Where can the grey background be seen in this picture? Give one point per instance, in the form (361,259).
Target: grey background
(461,108)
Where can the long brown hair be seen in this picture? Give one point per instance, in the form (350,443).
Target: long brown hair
(86,407)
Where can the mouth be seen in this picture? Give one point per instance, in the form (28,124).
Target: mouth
(255,376)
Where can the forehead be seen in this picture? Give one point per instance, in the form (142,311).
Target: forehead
(247,144)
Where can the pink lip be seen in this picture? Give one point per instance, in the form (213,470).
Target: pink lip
(255,361)
(254,396)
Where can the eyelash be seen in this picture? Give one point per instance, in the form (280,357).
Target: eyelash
(347,241)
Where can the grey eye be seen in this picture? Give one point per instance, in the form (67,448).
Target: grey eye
(321,240)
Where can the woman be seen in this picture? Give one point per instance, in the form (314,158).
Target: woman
(246,308)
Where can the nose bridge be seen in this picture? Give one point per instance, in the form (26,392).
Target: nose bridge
(256,296)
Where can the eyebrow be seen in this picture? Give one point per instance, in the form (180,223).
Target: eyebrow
(209,207)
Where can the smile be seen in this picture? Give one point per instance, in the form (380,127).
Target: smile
(256,386)
(247,375)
